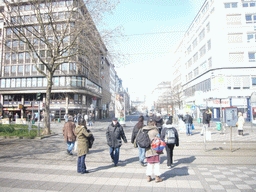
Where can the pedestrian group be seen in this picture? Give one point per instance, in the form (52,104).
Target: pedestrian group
(115,135)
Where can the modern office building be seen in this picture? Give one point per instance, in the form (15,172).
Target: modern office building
(216,65)
(77,83)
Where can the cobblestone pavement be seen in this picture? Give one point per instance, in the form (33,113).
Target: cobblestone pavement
(43,165)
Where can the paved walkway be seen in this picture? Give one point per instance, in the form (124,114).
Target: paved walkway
(43,165)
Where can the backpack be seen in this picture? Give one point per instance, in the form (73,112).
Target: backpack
(169,136)
(158,145)
(91,140)
(142,139)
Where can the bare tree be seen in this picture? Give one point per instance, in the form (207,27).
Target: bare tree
(57,32)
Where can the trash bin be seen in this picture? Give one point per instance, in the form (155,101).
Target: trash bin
(58,120)
(33,121)
(198,120)
(218,126)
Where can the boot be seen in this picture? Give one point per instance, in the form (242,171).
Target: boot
(149,178)
(158,179)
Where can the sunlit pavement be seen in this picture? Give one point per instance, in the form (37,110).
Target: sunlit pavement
(44,165)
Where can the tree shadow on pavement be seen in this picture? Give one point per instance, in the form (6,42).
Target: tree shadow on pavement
(186,160)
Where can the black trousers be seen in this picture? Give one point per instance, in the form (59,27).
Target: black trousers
(169,150)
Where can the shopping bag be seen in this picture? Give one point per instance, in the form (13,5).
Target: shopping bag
(208,136)
(193,127)
(75,146)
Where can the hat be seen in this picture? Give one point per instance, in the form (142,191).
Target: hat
(114,119)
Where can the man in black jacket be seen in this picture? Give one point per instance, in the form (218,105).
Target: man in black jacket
(188,121)
(206,121)
(114,134)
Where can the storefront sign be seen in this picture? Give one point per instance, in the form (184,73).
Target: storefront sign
(11,109)
(5,121)
(216,103)
(20,121)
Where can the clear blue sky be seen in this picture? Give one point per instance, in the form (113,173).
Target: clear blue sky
(153,28)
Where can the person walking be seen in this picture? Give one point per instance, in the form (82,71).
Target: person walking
(90,119)
(66,117)
(135,131)
(82,135)
(114,135)
(69,134)
(206,121)
(159,122)
(152,156)
(188,121)
(240,123)
(171,138)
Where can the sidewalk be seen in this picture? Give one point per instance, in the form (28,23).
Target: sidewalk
(43,165)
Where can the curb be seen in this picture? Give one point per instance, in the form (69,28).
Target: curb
(37,138)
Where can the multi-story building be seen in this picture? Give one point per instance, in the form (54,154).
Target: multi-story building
(217,57)
(77,83)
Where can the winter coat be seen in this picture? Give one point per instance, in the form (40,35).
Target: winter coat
(69,131)
(82,140)
(175,132)
(206,118)
(152,133)
(188,119)
(240,123)
(114,134)
(136,129)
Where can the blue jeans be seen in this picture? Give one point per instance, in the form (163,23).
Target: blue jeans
(70,145)
(188,128)
(141,154)
(81,167)
(114,154)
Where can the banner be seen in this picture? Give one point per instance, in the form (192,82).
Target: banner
(119,106)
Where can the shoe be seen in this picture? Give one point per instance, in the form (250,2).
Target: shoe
(68,152)
(149,178)
(158,179)
(85,172)
(169,167)
(172,165)
(115,165)
(142,163)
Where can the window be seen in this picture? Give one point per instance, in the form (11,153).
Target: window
(202,51)
(209,45)
(40,82)
(189,49)
(201,35)
(189,62)
(249,4)
(250,18)
(28,82)
(196,72)
(15,45)
(253,81)
(21,58)
(23,82)
(208,27)
(64,67)
(194,43)
(13,69)
(14,58)
(18,82)
(34,82)
(8,32)
(195,57)
(7,58)
(6,70)
(230,5)
(27,7)
(251,37)
(20,69)
(27,68)
(251,57)
(203,67)
(21,45)
(27,57)
(210,62)
(190,76)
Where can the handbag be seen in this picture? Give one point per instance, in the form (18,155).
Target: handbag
(135,140)
(193,127)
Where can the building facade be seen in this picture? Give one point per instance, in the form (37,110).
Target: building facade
(77,83)
(217,57)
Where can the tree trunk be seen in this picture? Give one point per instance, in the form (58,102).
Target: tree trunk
(47,123)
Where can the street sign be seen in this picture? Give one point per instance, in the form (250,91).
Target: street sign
(193,107)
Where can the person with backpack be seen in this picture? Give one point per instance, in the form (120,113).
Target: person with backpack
(83,136)
(171,138)
(135,131)
(114,135)
(152,156)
